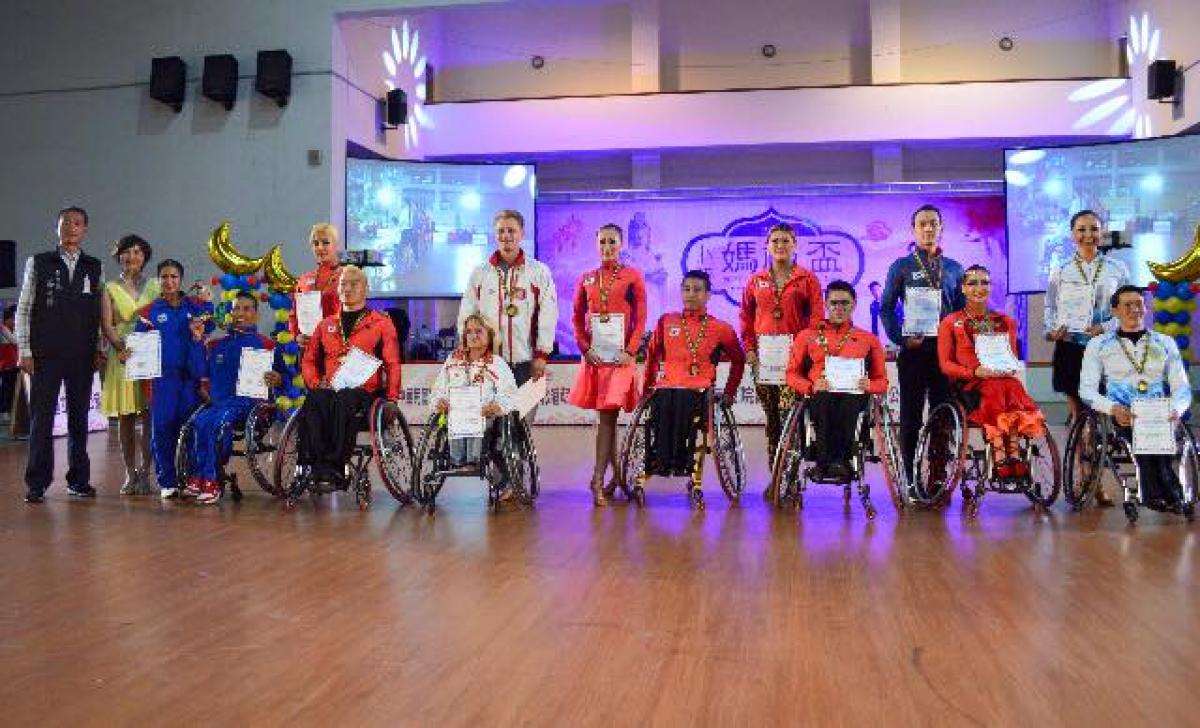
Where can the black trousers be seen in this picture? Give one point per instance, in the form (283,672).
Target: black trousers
(329,424)
(834,415)
(920,377)
(49,375)
(676,416)
(8,387)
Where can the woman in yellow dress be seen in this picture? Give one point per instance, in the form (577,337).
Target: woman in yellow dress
(128,401)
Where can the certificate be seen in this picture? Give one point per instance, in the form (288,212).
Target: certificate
(1075,303)
(773,353)
(994,353)
(529,394)
(145,355)
(252,367)
(466,412)
(608,336)
(1153,431)
(922,310)
(355,370)
(843,374)
(308,311)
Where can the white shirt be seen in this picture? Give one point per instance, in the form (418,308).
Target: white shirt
(1105,272)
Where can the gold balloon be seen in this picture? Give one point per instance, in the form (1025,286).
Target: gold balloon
(226,256)
(279,278)
(1185,268)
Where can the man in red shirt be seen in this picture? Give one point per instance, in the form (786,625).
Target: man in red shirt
(837,366)
(680,365)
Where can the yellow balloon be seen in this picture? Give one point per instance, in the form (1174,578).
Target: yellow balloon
(285,337)
(1188,305)
(227,257)
(298,402)
(289,359)
(281,316)
(298,381)
(1184,329)
(1172,305)
(279,278)
(283,403)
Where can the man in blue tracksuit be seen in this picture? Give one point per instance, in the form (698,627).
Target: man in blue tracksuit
(219,361)
(917,363)
(182,322)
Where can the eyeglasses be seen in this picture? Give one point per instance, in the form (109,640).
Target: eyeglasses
(977,283)
(840,304)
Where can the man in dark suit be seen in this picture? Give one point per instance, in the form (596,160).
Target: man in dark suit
(58,328)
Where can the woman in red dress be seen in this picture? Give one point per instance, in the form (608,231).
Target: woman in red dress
(326,248)
(1000,403)
(609,316)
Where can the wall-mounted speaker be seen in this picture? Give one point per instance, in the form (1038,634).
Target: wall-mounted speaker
(168,77)
(397,107)
(1160,80)
(220,79)
(273,75)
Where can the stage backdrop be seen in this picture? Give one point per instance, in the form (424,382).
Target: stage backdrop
(853,236)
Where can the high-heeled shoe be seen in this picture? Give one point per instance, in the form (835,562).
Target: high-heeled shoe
(597,487)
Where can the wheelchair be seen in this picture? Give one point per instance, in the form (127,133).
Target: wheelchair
(719,438)
(952,453)
(255,438)
(1096,446)
(388,445)
(792,467)
(508,465)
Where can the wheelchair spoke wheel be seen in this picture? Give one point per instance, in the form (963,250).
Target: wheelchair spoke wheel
(1188,470)
(941,455)
(286,458)
(184,467)
(789,457)
(1044,478)
(430,460)
(885,438)
(727,451)
(392,449)
(1084,460)
(524,466)
(633,451)
(263,430)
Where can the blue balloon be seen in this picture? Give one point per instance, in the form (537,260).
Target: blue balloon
(1166,289)
(291,347)
(228,281)
(1162,317)
(1183,342)
(1183,317)
(1184,291)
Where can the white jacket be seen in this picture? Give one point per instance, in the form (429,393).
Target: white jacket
(530,332)
(1105,272)
(494,378)
(1164,372)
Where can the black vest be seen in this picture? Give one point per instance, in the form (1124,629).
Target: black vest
(65,322)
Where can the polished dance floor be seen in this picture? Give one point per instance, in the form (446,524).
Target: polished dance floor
(123,611)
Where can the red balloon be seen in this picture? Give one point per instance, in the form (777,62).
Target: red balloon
(1195,287)
(214,280)
(252,281)
(1153,286)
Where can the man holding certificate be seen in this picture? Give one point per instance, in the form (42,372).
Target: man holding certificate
(836,365)
(237,370)
(1137,367)
(316,294)
(777,304)
(927,286)
(609,317)
(352,358)
(977,349)
(1076,305)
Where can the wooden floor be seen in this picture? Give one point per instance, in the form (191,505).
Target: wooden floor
(124,611)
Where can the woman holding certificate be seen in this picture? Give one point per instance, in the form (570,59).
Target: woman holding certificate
(777,304)
(316,295)
(609,316)
(976,349)
(1076,304)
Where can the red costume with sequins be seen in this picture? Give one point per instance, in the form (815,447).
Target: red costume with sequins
(323,279)
(609,290)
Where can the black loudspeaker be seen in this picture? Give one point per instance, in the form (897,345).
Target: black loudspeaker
(168,77)
(1160,80)
(273,76)
(8,263)
(220,79)
(397,107)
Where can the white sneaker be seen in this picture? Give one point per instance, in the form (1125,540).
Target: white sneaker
(168,493)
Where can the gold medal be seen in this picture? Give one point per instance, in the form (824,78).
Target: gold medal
(777,314)
(694,369)
(1143,386)
(511,310)
(603,318)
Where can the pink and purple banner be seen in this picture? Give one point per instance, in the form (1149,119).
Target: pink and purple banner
(854,237)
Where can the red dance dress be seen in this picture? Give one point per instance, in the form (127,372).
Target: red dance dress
(609,290)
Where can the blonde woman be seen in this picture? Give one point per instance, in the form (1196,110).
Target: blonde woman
(326,248)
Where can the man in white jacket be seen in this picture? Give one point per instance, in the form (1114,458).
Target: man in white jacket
(517,293)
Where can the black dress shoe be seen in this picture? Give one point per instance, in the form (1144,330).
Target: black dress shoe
(81,491)
(34,497)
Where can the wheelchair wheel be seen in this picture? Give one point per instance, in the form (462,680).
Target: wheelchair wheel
(941,455)
(524,467)
(885,438)
(633,453)
(286,455)
(431,454)
(1044,473)
(1083,466)
(392,449)
(184,467)
(225,479)
(789,458)
(263,430)
(727,452)
(1188,470)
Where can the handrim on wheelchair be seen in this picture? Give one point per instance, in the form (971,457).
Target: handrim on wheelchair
(718,436)
(949,457)
(388,446)
(258,435)
(1096,447)
(507,463)
(793,467)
